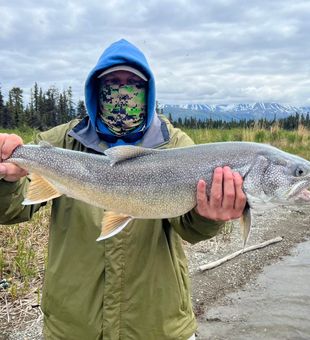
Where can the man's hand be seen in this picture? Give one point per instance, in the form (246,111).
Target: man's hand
(227,199)
(8,171)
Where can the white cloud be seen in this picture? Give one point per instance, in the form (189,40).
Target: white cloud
(225,51)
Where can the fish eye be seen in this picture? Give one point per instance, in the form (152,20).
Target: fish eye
(299,172)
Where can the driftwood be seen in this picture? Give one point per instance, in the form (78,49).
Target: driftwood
(241,251)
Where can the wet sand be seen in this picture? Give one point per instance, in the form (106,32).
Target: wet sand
(276,307)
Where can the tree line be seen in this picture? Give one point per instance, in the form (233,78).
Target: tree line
(44,110)
(52,107)
(291,122)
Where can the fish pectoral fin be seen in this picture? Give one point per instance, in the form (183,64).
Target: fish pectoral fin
(245,224)
(112,224)
(121,153)
(40,190)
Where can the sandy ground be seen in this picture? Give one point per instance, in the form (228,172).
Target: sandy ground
(209,286)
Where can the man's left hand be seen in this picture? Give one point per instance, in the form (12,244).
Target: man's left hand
(226,200)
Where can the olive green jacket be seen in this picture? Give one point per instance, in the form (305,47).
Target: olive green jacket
(134,285)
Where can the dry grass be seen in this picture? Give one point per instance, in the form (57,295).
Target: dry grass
(296,142)
(23,256)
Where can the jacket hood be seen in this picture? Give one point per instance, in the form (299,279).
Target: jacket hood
(121,52)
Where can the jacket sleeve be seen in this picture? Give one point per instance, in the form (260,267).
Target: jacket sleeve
(11,198)
(194,228)
(191,226)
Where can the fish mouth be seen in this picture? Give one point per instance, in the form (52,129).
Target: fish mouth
(303,196)
(300,193)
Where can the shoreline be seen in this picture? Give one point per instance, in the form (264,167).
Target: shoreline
(208,287)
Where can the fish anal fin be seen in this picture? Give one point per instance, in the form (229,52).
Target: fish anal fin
(112,224)
(40,190)
(245,224)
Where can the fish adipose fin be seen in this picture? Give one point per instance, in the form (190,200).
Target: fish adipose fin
(122,153)
(112,224)
(40,190)
(245,223)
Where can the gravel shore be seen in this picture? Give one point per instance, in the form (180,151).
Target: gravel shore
(293,224)
(209,286)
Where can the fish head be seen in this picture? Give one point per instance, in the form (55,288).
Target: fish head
(288,181)
(277,178)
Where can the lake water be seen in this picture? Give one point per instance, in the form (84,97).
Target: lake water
(277,306)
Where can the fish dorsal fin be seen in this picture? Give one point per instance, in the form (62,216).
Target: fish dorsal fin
(45,144)
(245,223)
(40,190)
(112,224)
(122,153)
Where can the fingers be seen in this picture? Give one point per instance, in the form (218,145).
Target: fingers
(8,143)
(201,197)
(201,193)
(3,136)
(10,172)
(227,199)
(228,189)
(216,195)
(240,199)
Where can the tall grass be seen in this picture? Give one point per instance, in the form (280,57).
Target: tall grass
(23,253)
(26,133)
(296,142)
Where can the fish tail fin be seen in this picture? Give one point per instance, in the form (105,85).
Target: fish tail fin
(40,190)
(112,224)
(245,224)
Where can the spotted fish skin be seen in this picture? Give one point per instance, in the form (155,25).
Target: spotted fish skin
(153,183)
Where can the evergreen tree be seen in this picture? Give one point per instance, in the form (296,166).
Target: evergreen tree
(7,118)
(33,118)
(16,107)
(62,108)
(51,98)
(81,109)
(307,122)
(70,104)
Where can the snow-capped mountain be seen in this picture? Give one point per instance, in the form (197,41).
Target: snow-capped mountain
(230,112)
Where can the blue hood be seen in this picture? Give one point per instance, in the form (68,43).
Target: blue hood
(119,53)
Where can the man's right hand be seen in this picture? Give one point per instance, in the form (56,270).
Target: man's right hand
(8,171)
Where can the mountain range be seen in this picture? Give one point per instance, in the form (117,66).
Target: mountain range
(228,112)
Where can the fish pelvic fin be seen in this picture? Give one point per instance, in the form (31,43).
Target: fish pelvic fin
(40,190)
(112,224)
(122,153)
(245,223)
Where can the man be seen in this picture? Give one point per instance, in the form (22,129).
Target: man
(134,285)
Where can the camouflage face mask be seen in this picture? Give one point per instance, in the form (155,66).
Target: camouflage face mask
(122,108)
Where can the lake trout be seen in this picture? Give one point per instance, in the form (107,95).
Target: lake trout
(132,182)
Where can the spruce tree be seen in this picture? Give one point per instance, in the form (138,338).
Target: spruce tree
(81,109)
(50,107)
(16,106)
(70,104)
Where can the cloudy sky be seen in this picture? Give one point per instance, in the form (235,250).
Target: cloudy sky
(201,51)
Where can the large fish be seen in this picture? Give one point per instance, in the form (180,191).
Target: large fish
(137,183)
